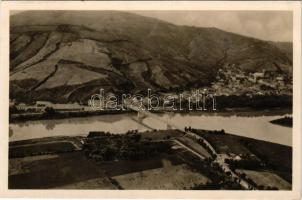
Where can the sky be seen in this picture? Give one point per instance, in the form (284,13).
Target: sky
(265,25)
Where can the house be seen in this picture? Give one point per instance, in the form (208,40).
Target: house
(251,79)
(21,106)
(279,78)
(43,104)
(258,75)
(237,158)
(240,76)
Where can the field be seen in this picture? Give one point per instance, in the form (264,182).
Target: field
(30,50)
(96,183)
(278,157)
(19,43)
(168,177)
(20,151)
(19,165)
(43,146)
(266,179)
(161,134)
(51,45)
(63,169)
(226,143)
(71,75)
(88,52)
(75,140)
(41,72)
(116,168)
(194,146)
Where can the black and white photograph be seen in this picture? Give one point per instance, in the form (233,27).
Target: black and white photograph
(151,99)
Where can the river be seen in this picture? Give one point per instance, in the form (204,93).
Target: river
(249,124)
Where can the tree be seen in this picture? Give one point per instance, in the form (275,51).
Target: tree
(137,137)
(49,111)
(13,109)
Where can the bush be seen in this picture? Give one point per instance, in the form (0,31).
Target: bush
(93,134)
(49,111)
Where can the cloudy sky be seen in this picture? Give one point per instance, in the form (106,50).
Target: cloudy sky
(266,25)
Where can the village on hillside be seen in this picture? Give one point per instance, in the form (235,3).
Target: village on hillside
(231,80)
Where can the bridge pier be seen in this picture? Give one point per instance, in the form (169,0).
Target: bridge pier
(169,127)
(140,117)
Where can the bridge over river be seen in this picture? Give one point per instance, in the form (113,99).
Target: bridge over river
(143,112)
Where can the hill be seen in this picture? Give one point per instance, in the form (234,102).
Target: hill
(66,56)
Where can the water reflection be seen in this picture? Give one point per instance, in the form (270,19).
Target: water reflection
(51,124)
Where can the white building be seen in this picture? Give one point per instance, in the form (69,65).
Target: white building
(258,75)
(21,106)
(43,104)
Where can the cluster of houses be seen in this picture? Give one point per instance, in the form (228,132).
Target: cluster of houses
(231,79)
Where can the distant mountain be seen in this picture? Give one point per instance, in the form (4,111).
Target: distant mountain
(69,55)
